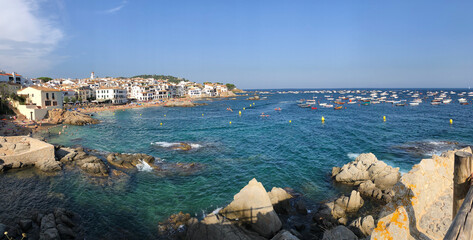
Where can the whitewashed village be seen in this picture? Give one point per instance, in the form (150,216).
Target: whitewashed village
(33,98)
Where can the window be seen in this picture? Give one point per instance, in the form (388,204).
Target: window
(47,103)
(47,96)
(54,103)
(53,96)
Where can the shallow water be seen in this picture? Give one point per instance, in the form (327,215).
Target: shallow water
(299,155)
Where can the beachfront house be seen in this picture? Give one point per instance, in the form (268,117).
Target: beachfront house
(38,101)
(194,92)
(84,93)
(115,95)
(210,90)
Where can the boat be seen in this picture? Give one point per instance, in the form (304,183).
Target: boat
(303,105)
(300,101)
(339,103)
(400,104)
(461,100)
(311,102)
(365,103)
(328,105)
(464,103)
(414,103)
(314,108)
(447,101)
(338,107)
(277,109)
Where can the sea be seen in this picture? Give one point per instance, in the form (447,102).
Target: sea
(291,148)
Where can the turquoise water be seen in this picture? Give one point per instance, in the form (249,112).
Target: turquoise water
(276,152)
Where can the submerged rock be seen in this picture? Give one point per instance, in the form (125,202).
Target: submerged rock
(124,160)
(252,206)
(367,167)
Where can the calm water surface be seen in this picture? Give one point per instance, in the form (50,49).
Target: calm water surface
(299,155)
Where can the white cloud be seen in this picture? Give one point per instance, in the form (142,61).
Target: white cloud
(116,9)
(26,38)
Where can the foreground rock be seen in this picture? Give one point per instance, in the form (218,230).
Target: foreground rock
(60,224)
(253,207)
(341,207)
(249,216)
(59,116)
(414,195)
(89,164)
(339,233)
(123,160)
(367,167)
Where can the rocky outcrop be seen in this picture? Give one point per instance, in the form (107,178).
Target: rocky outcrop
(227,94)
(367,167)
(124,160)
(341,207)
(339,233)
(49,165)
(253,207)
(280,200)
(59,116)
(363,227)
(253,98)
(89,164)
(414,194)
(369,189)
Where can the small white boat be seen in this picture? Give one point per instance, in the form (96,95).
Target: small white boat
(414,103)
(447,101)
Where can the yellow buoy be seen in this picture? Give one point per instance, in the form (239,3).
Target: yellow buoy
(253,104)
(165,115)
(451,121)
(243,108)
(290,121)
(323,119)
(140,114)
(202,114)
(239,112)
(161,124)
(384,118)
(230,122)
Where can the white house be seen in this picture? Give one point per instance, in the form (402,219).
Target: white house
(194,92)
(38,101)
(114,94)
(12,78)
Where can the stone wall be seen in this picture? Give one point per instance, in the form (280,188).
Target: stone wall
(32,151)
(415,195)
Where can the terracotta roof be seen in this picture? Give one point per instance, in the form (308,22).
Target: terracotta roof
(42,89)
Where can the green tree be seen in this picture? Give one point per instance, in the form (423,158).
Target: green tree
(230,86)
(45,79)
(66,99)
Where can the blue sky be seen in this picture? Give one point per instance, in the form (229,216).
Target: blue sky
(254,44)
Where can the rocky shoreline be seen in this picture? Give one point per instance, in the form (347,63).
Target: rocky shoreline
(380,203)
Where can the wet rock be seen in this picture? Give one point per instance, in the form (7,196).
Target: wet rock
(94,166)
(252,206)
(301,207)
(367,167)
(183,147)
(25,224)
(68,157)
(49,165)
(253,98)
(284,235)
(363,227)
(280,200)
(128,161)
(174,222)
(215,226)
(48,229)
(339,233)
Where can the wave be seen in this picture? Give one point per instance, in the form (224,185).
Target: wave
(144,166)
(353,155)
(166,144)
(175,144)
